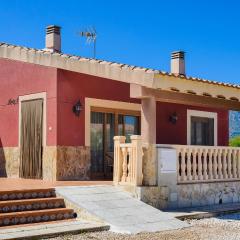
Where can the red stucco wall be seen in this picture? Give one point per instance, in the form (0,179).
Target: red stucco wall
(168,133)
(16,79)
(73,86)
(63,89)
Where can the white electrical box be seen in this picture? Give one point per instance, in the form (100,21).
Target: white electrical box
(167,160)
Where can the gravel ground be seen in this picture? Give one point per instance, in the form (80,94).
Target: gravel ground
(221,228)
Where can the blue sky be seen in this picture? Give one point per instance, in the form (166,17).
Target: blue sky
(136,32)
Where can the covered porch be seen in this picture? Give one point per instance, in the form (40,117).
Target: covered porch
(164,171)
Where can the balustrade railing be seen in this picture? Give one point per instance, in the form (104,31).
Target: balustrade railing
(207,163)
(128,161)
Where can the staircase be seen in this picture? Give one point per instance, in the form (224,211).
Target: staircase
(32,206)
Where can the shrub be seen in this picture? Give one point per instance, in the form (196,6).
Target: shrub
(234,142)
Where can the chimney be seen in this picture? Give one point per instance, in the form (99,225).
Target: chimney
(53,38)
(178,62)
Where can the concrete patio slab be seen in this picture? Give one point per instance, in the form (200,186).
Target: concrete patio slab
(20,183)
(119,209)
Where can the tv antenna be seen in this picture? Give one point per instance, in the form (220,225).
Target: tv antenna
(90,34)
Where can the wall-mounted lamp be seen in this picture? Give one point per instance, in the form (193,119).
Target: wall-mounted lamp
(77,108)
(173,118)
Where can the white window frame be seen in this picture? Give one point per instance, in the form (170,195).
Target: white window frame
(196,113)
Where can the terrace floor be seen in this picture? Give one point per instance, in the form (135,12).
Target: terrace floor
(18,183)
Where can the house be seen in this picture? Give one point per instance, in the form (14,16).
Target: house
(59,114)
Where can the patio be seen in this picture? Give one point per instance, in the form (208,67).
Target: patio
(18,183)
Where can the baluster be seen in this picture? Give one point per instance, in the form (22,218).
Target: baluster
(215,163)
(220,158)
(125,166)
(210,164)
(225,174)
(229,163)
(189,164)
(238,163)
(178,165)
(194,165)
(199,158)
(234,163)
(183,165)
(129,167)
(133,165)
(205,175)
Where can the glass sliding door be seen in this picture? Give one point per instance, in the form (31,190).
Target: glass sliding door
(97,144)
(128,125)
(104,126)
(109,144)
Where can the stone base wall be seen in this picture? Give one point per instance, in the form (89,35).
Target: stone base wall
(59,162)
(9,162)
(208,194)
(73,163)
(189,195)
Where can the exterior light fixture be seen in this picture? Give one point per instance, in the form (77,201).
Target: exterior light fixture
(77,108)
(173,118)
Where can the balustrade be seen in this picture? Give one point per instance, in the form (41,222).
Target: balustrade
(128,161)
(207,163)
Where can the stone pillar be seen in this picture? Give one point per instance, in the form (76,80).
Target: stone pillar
(148,132)
(148,120)
(136,141)
(118,161)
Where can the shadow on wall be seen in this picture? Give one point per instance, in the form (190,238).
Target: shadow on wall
(3,172)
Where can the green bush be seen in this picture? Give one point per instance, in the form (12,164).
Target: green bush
(235,142)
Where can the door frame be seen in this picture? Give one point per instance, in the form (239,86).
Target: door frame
(35,96)
(205,114)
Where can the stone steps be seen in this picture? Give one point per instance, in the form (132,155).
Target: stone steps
(27,194)
(32,206)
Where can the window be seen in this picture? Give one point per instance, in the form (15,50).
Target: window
(201,128)
(202,131)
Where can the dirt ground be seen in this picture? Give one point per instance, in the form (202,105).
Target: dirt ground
(205,229)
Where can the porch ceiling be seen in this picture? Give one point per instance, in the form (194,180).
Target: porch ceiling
(188,98)
(196,87)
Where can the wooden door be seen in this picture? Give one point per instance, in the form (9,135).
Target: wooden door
(31,136)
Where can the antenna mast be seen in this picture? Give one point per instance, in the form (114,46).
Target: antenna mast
(91,37)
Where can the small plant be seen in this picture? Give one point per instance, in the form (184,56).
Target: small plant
(235,142)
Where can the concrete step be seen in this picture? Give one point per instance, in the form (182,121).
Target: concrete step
(27,194)
(27,206)
(46,215)
(31,204)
